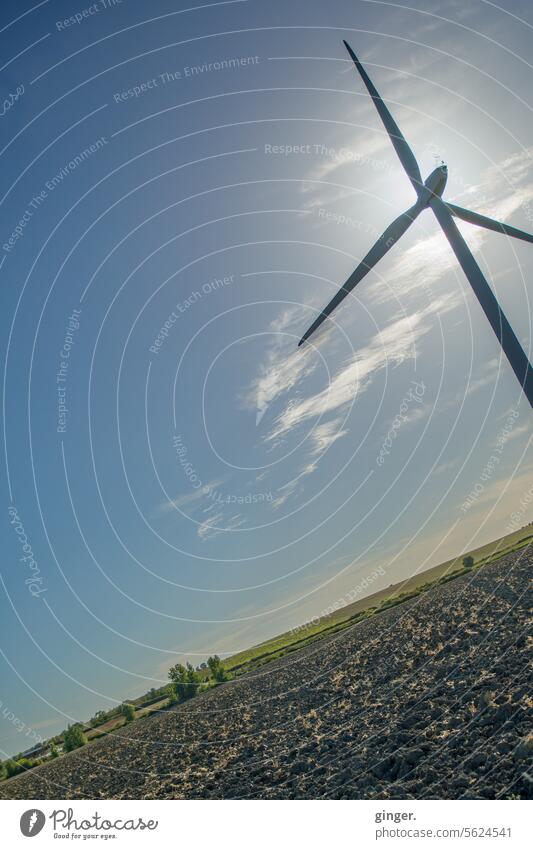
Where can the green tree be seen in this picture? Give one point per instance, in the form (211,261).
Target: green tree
(468,561)
(216,669)
(54,752)
(98,718)
(74,737)
(128,712)
(14,767)
(185,680)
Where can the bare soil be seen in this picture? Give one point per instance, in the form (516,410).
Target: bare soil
(429,699)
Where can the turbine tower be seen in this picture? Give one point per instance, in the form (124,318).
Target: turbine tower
(429,194)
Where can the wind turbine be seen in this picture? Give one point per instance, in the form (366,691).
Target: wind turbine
(429,194)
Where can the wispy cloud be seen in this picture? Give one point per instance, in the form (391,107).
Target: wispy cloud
(284,364)
(286,492)
(415,269)
(216,525)
(393,345)
(325,435)
(504,187)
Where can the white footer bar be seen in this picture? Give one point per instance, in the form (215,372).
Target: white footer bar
(264,825)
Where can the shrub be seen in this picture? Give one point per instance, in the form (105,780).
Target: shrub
(171,693)
(11,768)
(185,680)
(54,752)
(128,712)
(98,718)
(216,669)
(74,737)
(14,767)
(468,561)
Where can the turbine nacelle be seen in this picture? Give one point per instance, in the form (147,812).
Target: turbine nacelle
(435,183)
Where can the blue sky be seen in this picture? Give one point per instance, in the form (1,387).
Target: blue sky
(183,190)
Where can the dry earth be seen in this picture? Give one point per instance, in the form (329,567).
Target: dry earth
(429,699)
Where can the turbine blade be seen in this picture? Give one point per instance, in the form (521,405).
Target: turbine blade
(486,297)
(406,155)
(489,223)
(376,252)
